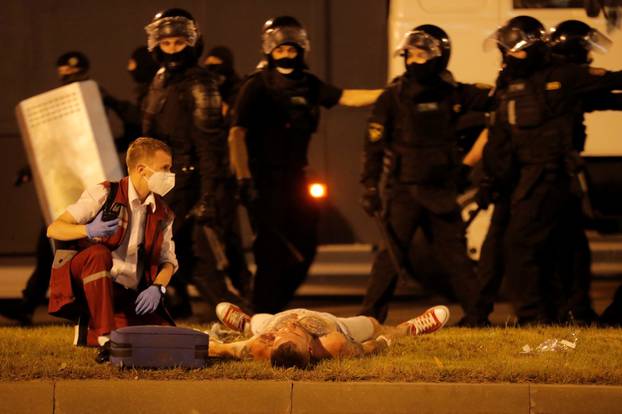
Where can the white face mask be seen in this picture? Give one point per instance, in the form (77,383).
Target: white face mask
(161,182)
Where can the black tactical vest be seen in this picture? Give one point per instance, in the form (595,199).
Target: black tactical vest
(541,128)
(289,116)
(424,138)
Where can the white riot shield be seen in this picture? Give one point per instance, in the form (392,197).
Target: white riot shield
(68,143)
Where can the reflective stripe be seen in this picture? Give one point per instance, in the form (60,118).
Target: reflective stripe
(95,276)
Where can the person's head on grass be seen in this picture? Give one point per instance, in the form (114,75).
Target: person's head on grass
(291,347)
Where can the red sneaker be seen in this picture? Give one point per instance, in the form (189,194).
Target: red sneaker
(233,317)
(429,321)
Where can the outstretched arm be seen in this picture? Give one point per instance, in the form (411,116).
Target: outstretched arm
(476,153)
(359,97)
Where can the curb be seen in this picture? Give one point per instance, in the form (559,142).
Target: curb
(249,397)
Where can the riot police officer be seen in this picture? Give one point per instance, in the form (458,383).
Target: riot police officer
(274,117)
(530,150)
(574,41)
(183,108)
(413,123)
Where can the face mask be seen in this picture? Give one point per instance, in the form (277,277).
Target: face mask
(177,61)
(519,68)
(161,182)
(422,72)
(218,68)
(286,63)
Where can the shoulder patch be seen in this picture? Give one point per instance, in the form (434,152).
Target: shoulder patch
(597,71)
(553,86)
(375,131)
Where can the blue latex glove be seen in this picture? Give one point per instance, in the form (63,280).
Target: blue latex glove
(148,300)
(100,228)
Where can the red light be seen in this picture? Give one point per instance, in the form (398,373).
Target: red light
(318,190)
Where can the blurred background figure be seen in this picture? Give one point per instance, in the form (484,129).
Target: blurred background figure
(72,67)
(219,60)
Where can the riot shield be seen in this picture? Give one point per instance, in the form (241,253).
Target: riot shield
(68,143)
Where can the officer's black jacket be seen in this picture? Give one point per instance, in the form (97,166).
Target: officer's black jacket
(535,119)
(433,111)
(280,114)
(185,110)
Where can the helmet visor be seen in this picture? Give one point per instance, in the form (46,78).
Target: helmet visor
(273,38)
(598,42)
(512,39)
(169,27)
(421,43)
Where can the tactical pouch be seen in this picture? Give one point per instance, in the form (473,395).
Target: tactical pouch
(525,108)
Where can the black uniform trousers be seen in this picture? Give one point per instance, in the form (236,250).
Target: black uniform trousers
(197,263)
(285,245)
(490,268)
(446,233)
(539,224)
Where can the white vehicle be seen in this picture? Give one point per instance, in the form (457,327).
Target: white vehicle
(468,23)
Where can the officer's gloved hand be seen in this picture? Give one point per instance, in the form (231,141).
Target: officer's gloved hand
(148,300)
(370,201)
(464,178)
(100,228)
(24,175)
(247,193)
(205,211)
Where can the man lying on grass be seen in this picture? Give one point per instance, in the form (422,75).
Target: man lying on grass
(297,337)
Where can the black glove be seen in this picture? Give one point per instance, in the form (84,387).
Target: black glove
(370,201)
(247,193)
(205,211)
(24,175)
(463,180)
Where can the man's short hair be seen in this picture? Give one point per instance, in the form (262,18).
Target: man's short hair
(287,356)
(143,149)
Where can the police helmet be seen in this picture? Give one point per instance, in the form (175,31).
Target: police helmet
(574,39)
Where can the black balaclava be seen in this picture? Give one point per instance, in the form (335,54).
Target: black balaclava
(423,72)
(297,63)
(175,62)
(226,68)
(537,56)
(146,67)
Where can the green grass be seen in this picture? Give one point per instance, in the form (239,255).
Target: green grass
(452,355)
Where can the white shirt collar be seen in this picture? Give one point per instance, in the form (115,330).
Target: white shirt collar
(135,201)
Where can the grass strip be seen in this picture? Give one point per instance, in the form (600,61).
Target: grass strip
(452,355)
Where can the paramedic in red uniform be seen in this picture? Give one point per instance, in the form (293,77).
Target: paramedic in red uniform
(118,269)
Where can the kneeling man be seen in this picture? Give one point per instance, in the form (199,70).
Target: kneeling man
(120,255)
(298,337)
